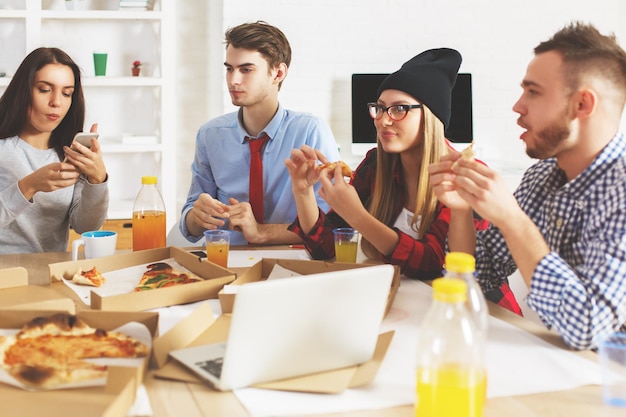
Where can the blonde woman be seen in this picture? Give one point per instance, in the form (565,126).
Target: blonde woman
(389,199)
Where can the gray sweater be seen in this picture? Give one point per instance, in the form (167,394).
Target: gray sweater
(42,225)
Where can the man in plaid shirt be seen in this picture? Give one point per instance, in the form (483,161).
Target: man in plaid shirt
(565,226)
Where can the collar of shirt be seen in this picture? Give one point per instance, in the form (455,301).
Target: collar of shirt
(614,150)
(269,130)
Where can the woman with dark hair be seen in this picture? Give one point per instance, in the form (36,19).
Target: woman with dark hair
(47,182)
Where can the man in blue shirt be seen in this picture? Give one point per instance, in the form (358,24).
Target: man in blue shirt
(257,60)
(565,225)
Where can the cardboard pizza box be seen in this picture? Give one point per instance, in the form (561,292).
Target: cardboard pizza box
(215,277)
(112,400)
(15,293)
(262,269)
(201,328)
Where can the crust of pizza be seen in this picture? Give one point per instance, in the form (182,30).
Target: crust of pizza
(49,351)
(162,275)
(92,277)
(467,154)
(346,171)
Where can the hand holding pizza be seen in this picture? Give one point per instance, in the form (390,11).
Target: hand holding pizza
(302,167)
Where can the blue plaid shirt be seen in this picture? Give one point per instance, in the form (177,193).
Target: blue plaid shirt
(579,288)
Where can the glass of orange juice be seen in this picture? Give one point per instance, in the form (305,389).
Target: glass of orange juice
(217,244)
(346,244)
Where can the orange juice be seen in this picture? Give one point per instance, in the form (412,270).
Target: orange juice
(217,252)
(148,230)
(450,391)
(345,251)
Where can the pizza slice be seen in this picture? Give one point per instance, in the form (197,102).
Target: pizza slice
(467,154)
(49,351)
(92,277)
(346,171)
(162,275)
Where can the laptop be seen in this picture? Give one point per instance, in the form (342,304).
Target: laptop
(295,326)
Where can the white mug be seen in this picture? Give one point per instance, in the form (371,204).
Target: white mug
(97,244)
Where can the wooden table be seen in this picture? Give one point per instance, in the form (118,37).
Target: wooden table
(170,399)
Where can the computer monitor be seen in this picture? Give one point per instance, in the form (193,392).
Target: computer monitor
(364,88)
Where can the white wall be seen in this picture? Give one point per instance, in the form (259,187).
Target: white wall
(332,39)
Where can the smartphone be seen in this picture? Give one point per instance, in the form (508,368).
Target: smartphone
(84,138)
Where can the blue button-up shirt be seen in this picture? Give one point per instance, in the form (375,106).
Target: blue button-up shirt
(579,288)
(221,165)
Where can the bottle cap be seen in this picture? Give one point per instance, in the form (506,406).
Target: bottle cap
(460,262)
(148,180)
(450,290)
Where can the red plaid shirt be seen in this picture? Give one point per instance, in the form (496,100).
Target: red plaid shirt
(418,259)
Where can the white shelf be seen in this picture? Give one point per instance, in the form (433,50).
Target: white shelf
(12,14)
(122,81)
(109,81)
(101,15)
(123,148)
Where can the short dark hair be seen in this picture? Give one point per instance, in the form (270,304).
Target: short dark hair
(17,99)
(260,36)
(584,50)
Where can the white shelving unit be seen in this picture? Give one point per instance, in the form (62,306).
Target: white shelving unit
(135,115)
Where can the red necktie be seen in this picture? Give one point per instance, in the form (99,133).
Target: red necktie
(256,176)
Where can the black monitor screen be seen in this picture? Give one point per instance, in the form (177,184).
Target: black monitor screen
(364,87)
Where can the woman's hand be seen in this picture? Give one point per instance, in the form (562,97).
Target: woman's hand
(86,160)
(340,195)
(48,178)
(302,168)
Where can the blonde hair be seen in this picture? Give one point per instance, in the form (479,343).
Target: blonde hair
(383,200)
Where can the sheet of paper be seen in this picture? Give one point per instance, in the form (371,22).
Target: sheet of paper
(518,363)
(246,258)
(277,272)
(172,315)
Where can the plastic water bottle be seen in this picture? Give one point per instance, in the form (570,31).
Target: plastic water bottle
(451,375)
(149,216)
(462,266)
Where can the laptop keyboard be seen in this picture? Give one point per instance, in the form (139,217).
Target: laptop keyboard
(213,366)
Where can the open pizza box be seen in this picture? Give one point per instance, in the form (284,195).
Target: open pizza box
(113,399)
(201,328)
(15,293)
(262,270)
(130,266)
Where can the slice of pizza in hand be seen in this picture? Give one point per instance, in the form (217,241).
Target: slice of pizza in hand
(467,154)
(162,275)
(92,277)
(346,171)
(48,352)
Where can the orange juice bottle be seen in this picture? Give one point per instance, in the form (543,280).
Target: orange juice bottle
(451,375)
(148,216)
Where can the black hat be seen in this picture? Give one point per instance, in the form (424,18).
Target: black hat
(429,77)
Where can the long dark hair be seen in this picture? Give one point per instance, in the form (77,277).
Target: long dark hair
(17,99)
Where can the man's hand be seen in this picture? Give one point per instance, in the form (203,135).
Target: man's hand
(206,213)
(486,192)
(442,179)
(242,219)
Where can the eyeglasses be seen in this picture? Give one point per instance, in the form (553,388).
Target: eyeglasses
(396,112)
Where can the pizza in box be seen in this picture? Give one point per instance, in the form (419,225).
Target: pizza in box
(156,275)
(58,351)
